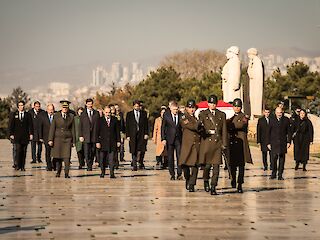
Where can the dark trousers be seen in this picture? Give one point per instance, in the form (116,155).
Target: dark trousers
(176,146)
(190,174)
(66,165)
(89,153)
(14,151)
(121,151)
(21,152)
(80,155)
(36,150)
(136,157)
(275,167)
(233,170)
(107,158)
(215,173)
(265,161)
(48,156)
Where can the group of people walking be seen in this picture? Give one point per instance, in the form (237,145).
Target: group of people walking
(184,142)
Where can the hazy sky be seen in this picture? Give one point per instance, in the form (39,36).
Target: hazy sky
(42,34)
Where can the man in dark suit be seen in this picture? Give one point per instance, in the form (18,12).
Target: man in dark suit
(21,132)
(171,137)
(88,122)
(108,140)
(46,118)
(262,131)
(62,137)
(36,144)
(137,134)
(279,140)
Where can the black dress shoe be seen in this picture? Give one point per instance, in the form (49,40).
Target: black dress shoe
(213,191)
(239,189)
(273,177)
(57,175)
(280,178)
(23,169)
(206,186)
(80,167)
(265,168)
(304,169)
(33,162)
(296,167)
(191,188)
(39,161)
(66,176)
(14,166)
(101,175)
(112,176)
(233,184)
(141,166)
(89,169)
(134,169)
(173,178)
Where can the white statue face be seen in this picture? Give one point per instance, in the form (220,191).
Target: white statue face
(229,55)
(251,56)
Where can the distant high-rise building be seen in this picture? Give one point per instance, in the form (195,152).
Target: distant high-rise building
(116,72)
(98,76)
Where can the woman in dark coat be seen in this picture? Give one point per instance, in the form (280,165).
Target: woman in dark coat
(302,138)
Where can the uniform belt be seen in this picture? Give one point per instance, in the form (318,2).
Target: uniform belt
(212,132)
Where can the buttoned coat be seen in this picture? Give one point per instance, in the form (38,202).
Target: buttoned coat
(62,133)
(212,143)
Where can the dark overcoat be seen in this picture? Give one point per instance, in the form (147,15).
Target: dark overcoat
(214,138)
(136,131)
(279,135)
(108,136)
(190,146)
(62,133)
(303,136)
(238,141)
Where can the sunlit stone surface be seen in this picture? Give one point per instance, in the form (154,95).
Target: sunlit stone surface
(147,205)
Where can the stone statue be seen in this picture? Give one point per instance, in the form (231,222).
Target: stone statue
(256,76)
(231,72)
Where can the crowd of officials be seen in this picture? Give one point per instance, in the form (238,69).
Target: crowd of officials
(184,142)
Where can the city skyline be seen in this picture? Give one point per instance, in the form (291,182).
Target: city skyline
(62,40)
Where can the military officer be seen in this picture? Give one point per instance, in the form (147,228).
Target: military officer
(189,157)
(213,141)
(239,147)
(62,137)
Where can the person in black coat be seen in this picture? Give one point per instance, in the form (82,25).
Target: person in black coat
(171,137)
(21,132)
(302,138)
(87,131)
(46,118)
(278,139)
(36,144)
(108,140)
(262,131)
(137,130)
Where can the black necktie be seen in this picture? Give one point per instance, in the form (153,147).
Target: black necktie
(21,116)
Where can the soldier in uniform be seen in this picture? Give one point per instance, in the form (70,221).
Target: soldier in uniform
(239,147)
(62,137)
(213,142)
(190,146)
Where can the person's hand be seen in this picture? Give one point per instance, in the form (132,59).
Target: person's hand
(11,137)
(50,143)
(311,143)
(98,145)
(128,138)
(288,145)
(258,144)
(118,144)
(164,142)
(146,137)
(41,140)
(72,145)
(81,139)
(31,137)
(269,146)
